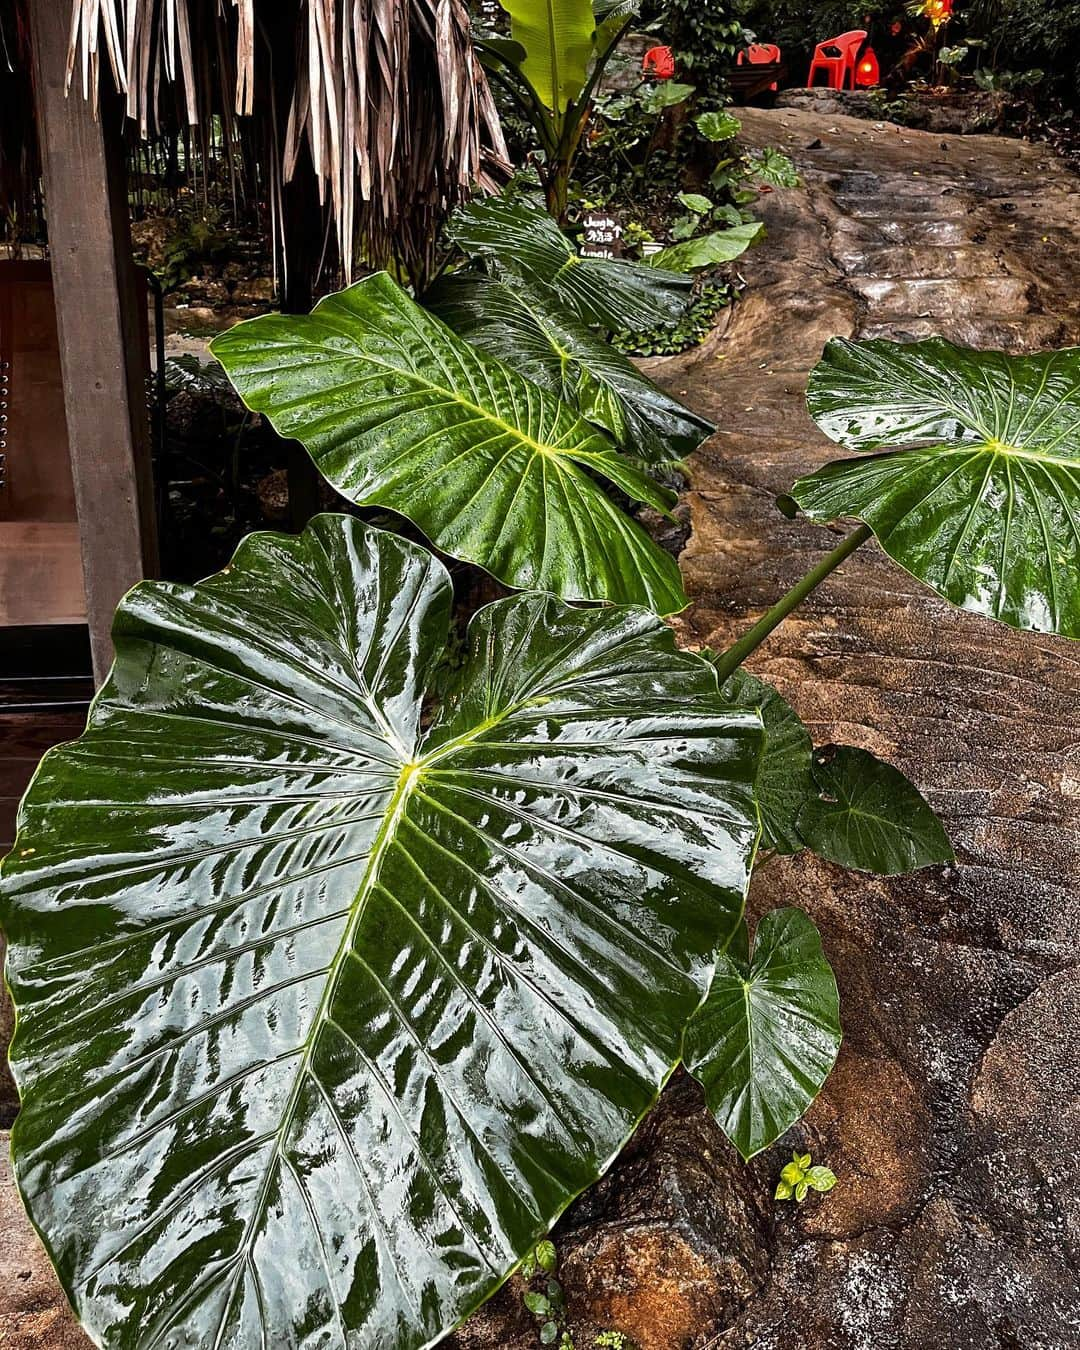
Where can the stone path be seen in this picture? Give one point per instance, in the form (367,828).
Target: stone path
(956,1101)
(953,1118)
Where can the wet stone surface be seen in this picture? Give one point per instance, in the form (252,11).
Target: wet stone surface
(953,1116)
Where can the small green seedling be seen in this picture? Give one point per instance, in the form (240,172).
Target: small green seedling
(718,126)
(798,1178)
(542,1257)
(549,1306)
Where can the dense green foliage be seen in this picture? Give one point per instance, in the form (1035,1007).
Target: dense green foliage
(705,38)
(341,964)
(670,339)
(1021,35)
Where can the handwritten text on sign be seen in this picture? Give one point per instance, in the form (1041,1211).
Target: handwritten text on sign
(601,236)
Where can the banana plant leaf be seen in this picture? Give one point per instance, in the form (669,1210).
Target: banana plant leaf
(606,292)
(721,246)
(865,814)
(767,1036)
(540,340)
(557,36)
(980,496)
(785,782)
(397,411)
(506,52)
(612,16)
(324,1017)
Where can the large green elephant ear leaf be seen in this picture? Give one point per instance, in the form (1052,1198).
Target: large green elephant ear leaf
(767,1036)
(557,36)
(981,499)
(539,339)
(521,236)
(398,412)
(323,1018)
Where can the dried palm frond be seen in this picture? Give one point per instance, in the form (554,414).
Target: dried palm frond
(387,97)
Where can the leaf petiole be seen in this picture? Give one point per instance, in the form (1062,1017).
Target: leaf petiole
(736,654)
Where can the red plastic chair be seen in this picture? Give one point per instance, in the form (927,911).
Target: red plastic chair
(760,54)
(659,61)
(836,57)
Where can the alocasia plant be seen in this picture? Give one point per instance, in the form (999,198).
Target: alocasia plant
(766,1037)
(529,329)
(398,412)
(844,804)
(521,237)
(341,968)
(974,480)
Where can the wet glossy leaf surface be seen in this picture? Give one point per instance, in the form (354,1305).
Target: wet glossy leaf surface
(324,1018)
(398,412)
(865,814)
(767,1036)
(535,335)
(709,250)
(785,780)
(604,291)
(984,503)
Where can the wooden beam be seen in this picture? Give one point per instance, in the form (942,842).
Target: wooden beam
(102,348)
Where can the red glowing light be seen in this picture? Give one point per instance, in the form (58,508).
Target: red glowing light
(868,70)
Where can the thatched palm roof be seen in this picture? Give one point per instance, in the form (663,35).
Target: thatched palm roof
(384,98)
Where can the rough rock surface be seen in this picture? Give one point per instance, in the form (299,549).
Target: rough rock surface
(953,1117)
(959,112)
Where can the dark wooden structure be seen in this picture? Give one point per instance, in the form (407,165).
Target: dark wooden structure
(41,575)
(747,82)
(100,331)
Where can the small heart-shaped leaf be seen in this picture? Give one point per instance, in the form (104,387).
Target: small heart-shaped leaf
(865,814)
(766,1037)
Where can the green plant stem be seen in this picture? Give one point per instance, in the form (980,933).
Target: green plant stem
(735,655)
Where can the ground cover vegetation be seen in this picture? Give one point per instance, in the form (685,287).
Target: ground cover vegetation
(363,925)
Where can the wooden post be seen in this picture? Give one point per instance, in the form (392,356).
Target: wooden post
(99,328)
